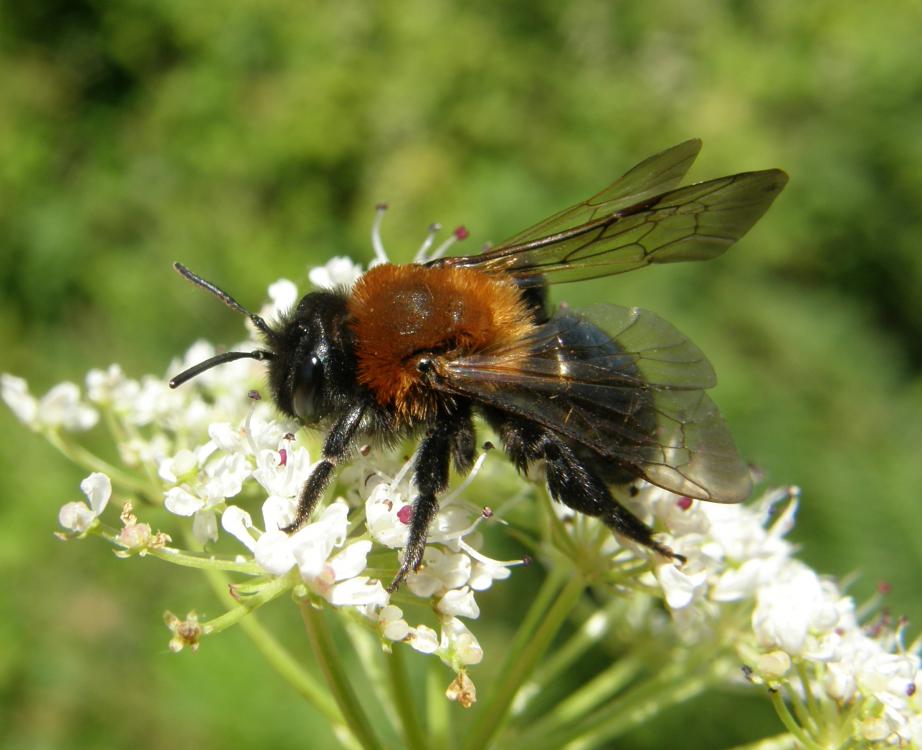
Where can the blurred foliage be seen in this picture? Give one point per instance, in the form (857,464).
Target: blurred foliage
(252,139)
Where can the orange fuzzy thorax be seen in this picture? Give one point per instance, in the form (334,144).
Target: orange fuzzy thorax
(400,314)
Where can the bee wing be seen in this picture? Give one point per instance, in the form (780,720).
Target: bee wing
(624,383)
(640,219)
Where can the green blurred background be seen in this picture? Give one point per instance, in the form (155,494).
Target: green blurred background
(253,139)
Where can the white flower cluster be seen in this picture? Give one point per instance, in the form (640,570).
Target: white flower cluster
(213,448)
(803,632)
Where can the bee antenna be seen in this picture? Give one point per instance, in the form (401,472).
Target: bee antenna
(219,359)
(261,324)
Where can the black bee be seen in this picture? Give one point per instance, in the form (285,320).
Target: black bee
(603,396)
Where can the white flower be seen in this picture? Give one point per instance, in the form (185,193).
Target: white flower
(111,387)
(237,522)
(283,294)
(390,622)
(484,572)
(60,407)
(793,610)
(78,516)
(459,603)
(387,515)
(282,472)
(15,392)
(337,272)
(440,571)
(357,592)
(680,585)
(423,639)
(458,647)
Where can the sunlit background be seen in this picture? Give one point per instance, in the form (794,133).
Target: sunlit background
(252,140)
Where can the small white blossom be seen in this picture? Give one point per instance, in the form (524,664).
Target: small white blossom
(793,610)
(15,392)
(457,646)
(78,516)
(458,603)
(390,622)
(484,572)
(423,639)
(336,272)
(61,407)
(439,572)
(283,295)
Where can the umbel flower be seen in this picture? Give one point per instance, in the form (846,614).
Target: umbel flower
(220,471)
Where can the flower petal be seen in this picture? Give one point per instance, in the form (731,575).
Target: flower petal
(273,552)
(237,522)
(76,516)
(98,489)
(180,501)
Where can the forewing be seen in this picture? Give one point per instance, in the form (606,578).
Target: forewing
(622,382)
(650,178)
(696,222)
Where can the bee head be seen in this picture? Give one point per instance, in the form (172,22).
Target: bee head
(308,351)
(313,363)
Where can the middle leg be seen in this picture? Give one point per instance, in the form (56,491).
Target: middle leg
(450,436)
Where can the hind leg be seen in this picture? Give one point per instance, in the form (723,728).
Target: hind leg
(571,480)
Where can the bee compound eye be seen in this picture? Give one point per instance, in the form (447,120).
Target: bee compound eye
(424,365)
(307,386)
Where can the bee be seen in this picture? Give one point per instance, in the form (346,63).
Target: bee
(600,398)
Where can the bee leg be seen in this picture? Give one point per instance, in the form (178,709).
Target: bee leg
(431,477)
(577,486)
(335,448)
(463,442)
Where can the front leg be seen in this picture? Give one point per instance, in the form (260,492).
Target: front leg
(335,448)
(431,477)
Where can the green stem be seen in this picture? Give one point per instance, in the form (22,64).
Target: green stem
(272,590)
(545,617)
(669,687)
(402,694)
(88,460)
(438,717)
(331,665)
(283,662)
(205,562)
(604,685)
(813,712)
(790,722)
(573,648)
(784,741)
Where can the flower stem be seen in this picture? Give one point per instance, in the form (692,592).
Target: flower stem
(205,562)
(403,698)
(790,722)
(784,741)
(438,717)
(670,686)
(568,652)
(270,591)
(88,460)
(545,617)
(283,662)
(330,664)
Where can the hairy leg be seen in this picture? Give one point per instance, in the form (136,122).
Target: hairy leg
(335,448)
(450,435)
(571,479)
